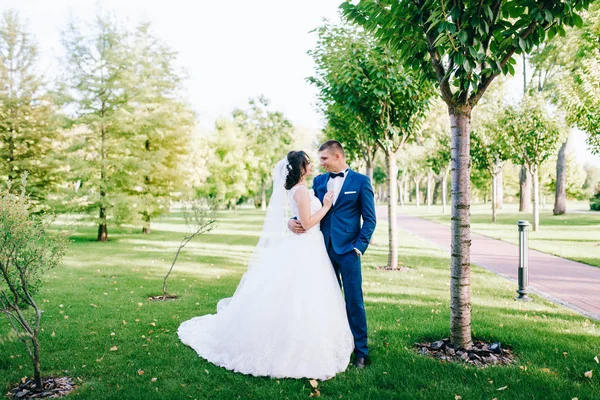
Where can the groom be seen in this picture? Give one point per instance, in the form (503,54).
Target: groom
(346,240)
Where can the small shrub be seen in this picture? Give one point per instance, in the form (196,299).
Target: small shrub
(27,251)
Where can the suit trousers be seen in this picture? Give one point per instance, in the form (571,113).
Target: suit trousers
(347,268)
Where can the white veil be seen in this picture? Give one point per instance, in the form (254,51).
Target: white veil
(274,228)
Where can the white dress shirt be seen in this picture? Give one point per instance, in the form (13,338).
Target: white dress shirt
(335,185)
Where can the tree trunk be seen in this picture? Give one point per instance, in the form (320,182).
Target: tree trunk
(536,198)
(444,192)
(401,190)
(499,190)
(429,179)
(37,374)
(370,170)
(560,199)
(263,197)
(102,228)
(392,220)
(146,219)
(460,268)
(417,194)
(494,196)
(525,190)
(436,191)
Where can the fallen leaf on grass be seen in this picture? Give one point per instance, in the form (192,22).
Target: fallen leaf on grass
(588,374)
(153,380)
(93,305)
(457,397)
(316,393)
(114,348)
(140,372)
(596,359)
(502,388)
(313,383)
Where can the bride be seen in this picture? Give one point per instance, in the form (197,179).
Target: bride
(287,317)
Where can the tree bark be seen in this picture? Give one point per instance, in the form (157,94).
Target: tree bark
(436,191)
(146,218)
(102,228)
(499,190)
(525,190)
(460,268)
(401,190)
(392,203)
(417,194)
(263,197)
(536,198)
(429,179)
(444,192)
(494,196)
(370,170)
(560,199)
(37,374)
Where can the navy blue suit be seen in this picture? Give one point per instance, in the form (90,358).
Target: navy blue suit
(343,232)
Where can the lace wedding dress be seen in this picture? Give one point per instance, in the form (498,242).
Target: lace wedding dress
(287,318)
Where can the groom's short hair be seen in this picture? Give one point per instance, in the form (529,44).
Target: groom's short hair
(332,145)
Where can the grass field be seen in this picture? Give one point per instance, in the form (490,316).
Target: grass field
(575,235)
(99,301)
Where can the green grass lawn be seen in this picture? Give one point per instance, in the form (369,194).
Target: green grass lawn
(575,236)
(98,302)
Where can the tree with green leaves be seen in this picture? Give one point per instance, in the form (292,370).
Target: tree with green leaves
(100,80)
(29,126)
(533,136)
(387,99)
(162,124)
(463,46)
(437,128)
(358,144)
(29,247)
(489,150)
(229,166)
(270,135)
(438,160)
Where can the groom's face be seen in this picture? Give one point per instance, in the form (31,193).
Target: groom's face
(331,161)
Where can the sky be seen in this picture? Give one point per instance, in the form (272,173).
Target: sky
(231,50)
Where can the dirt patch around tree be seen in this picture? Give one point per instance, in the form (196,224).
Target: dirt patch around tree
(160,297)
(482,354)
(53,388)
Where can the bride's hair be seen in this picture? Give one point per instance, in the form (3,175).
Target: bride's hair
(298,164)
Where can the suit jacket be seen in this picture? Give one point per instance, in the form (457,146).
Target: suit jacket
(342,224)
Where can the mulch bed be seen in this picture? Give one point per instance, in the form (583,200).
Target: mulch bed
(161,298)
(53,388)
(481,355)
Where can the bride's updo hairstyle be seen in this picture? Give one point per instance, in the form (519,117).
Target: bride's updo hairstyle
(298,164)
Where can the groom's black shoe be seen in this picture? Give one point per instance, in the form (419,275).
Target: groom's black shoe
(360,362)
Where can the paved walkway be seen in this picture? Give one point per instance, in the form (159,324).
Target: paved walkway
(567,282)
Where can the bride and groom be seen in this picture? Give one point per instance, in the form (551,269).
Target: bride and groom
(288,317)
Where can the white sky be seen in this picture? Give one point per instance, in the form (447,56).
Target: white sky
(232,50)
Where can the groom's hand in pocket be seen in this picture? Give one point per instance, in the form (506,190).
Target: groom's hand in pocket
(295,226)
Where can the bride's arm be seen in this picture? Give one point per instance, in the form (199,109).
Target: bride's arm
(302,198)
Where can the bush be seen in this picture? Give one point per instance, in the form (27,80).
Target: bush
(595,201)
(27,251)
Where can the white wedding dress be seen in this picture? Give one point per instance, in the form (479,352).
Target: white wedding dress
(287,318)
